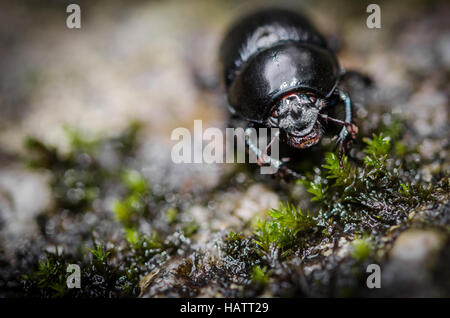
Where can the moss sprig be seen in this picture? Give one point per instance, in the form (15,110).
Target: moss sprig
(282,228)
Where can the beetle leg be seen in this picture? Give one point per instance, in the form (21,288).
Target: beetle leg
(264,158)
(351,128)
(348,126)
(266,150)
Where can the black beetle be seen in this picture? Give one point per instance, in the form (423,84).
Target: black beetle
(279,72)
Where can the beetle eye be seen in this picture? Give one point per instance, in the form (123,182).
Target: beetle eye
(312,99)
(275,113)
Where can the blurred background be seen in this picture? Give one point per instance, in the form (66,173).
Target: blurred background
(135,62)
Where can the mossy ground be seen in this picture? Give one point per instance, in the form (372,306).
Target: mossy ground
(132,236)
(356,202)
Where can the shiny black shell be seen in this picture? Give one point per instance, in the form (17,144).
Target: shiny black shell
(269,53)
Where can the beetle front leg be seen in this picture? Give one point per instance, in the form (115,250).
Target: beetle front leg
(264,158)
(349,128)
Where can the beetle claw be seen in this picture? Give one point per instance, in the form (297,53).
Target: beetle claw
(288,174)
(352,129)
(263,160)
(343,142)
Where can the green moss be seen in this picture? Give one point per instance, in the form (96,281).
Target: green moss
(352,197)
(100,254)
(366,193)
(49,280)
(129,210)
(317,189)
(172,215)
(234,237)
(361,249)
(405,189)
(79,142)
(338,169)
(78,176)
(375,194)
(132,236)
(282,229)
(240,252)
(99,277)
(142,247)
(190,228)
(260,277)
(377,150)
(135,182)
(75,176)
(143,242)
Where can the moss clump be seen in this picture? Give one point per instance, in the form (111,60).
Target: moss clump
(143,246)
(260,277)
(377,150)
(240,254)
(49,280)
(355,198)
(112,272)
(79,176)
(134,206)
(361,249)
(282,229)
(172,215)
(105,272)
(99,277)
(369,196)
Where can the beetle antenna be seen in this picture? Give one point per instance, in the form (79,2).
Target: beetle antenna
(351,128)
(266,150)
(277,135)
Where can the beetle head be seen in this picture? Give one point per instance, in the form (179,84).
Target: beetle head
(297,116)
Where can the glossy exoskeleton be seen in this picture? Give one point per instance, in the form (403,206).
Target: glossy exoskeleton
(279,73)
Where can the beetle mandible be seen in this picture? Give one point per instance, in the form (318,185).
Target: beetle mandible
(279,72)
